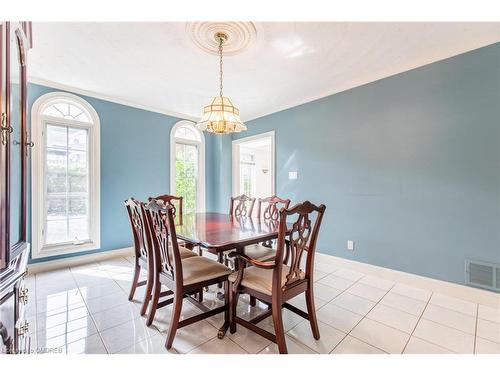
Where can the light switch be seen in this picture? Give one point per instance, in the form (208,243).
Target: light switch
(292,175)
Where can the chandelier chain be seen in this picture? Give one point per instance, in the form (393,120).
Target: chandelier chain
(220,63)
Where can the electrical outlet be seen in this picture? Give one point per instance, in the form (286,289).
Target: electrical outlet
(293,175)
(350,245)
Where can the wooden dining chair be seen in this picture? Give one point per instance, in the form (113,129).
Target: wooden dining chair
(242,205)
(274,282)
(143,259)
(268,216)
(141,256)
(183,277)
(175,201)
(268,213)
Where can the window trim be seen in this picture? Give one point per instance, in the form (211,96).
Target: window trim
(200,207)
(39,123)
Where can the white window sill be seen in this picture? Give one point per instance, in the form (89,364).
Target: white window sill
(55,250)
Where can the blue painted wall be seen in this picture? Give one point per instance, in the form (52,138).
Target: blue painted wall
(135,154)
(219,180)
(408,166)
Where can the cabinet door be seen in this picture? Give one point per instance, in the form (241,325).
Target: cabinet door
(14,142)
(7,323)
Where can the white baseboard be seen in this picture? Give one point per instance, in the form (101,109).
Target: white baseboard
(78,260)
(325,262)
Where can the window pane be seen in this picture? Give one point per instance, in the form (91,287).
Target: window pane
(57,136)
(186,132)
(77,172)
(77,139)
(67,180)
(56,171)
(77,207)
(56,207)
(57,231)
(186,174)
(78,229)
(247,174)
(69,110)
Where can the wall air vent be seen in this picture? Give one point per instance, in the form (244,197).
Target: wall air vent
(482,274)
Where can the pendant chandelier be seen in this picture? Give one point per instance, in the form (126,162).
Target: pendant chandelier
(221,116)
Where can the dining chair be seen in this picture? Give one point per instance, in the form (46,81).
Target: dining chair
(268,216)
(268,213)
(183,277)
(177,212)
(242,205)
(175,201)
(143,258)
(274,282)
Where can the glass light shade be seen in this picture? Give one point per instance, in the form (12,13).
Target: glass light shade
(221,117)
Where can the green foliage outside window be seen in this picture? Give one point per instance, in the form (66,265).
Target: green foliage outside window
(185,183)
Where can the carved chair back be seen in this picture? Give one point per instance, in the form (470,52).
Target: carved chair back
(138,225)
(295,240)
(242,205)
(162,238)
(176,202)
(272,207)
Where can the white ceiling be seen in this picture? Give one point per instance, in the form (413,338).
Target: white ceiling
(156,65)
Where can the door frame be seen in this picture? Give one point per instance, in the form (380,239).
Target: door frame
(235,159)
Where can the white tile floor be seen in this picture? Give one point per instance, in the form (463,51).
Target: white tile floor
(85,309)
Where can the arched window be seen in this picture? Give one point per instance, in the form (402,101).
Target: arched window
(66,175)
(187,165)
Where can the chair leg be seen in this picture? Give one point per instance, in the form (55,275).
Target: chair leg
(174,319)
(133,287)
(311,311)
(233,303)
(200,251)
(147,294)
(227,301)
(154,302)
(278,328)
(220,259)
(253,301)
(200,295)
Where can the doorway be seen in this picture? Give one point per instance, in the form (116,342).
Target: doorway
(253,166)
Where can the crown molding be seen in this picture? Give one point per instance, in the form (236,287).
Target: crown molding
(96,95)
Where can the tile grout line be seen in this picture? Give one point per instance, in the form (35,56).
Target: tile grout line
(427,341)
(88,310)
(418,321)
(364,316)
(475,328)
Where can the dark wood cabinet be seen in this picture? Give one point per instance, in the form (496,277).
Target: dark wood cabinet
(15,41)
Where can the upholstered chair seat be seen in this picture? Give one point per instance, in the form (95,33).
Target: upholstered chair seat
(260,279)
(186,253)
(197,269)
(260,252)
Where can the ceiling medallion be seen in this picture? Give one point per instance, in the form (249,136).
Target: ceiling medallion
(240,35)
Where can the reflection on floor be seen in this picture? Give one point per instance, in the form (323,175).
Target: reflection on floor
(85,309)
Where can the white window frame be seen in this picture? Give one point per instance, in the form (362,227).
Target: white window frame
(236,160)
(39,123)
(200,193)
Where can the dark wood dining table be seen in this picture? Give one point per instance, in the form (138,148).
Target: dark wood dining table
(218,232)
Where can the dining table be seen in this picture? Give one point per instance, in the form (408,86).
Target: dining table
(218,232)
